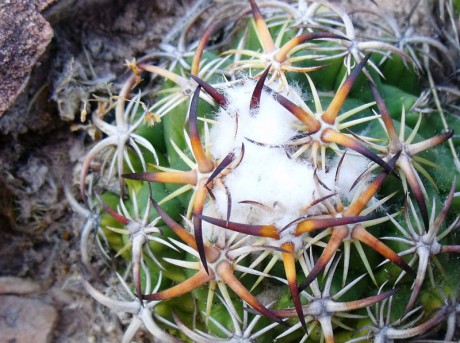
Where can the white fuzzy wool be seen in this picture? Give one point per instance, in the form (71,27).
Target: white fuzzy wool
(269,177)
(277,187)
(270,124)
(266,174)
(353,165)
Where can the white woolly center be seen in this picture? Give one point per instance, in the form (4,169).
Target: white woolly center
(266,174)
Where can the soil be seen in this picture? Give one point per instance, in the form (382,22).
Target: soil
(42,140)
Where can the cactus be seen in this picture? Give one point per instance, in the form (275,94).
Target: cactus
(281,183)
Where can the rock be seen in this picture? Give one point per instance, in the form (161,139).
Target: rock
(16,285)
(26,320)
(24,36)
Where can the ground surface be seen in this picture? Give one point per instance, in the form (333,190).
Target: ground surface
(78,48)
(69,49)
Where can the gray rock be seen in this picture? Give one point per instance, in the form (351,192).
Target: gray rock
(16,285)
(25,320)
(24,36)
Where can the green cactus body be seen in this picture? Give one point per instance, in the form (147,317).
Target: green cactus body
(300,191)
